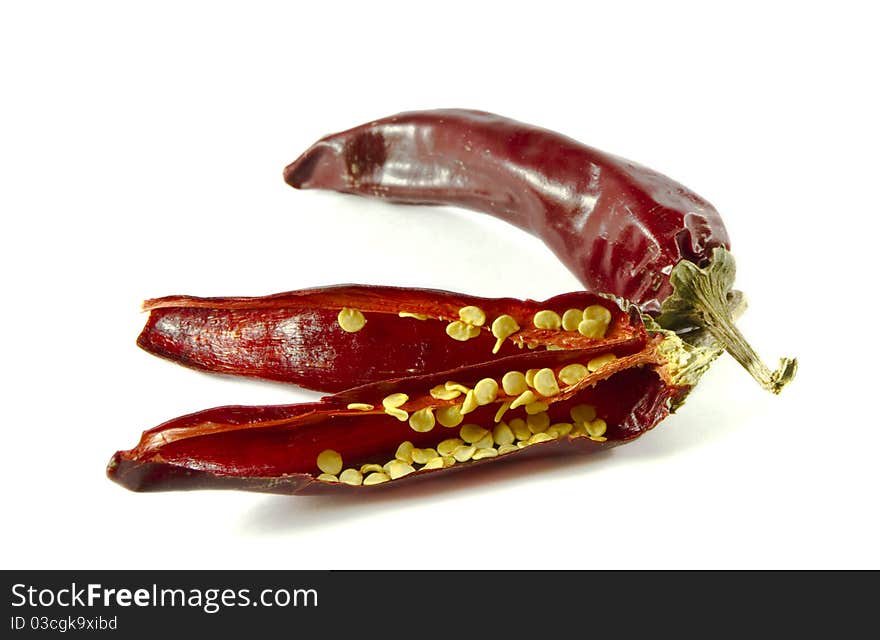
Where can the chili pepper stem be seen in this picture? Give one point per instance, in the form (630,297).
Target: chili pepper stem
(701,298)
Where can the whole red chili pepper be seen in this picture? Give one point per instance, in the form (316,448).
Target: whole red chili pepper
(620,227)
(591,398)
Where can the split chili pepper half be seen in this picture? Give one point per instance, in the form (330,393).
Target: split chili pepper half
(341,337)
(605,393)
(620,227)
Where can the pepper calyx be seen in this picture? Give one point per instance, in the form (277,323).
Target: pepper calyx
(703,300)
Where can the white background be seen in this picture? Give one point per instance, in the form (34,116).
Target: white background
(141,152)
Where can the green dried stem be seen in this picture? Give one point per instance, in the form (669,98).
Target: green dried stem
(703,301)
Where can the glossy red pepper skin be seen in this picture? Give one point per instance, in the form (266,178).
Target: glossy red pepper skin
(273,449)
(618,226)
(295,337)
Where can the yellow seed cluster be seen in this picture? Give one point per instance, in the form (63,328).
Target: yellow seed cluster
(474,442)
(535,390)
(586,423)
(591,322)
(595,322)
(351,320)
(470,319)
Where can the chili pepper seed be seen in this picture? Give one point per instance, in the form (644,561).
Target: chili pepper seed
(514,383)
(545,383)
(573,373)
(560,429)
(422,420)
(446,447)
(454,386)
(582,413)
(571,319)
(371,467)
(352,477)
(329,461)
(520,429)
(486,442)
(441,392)
(502,328)
(376,478)
(398,469)
(351,320)
(596,428)
(501,411)
(539,422)
(404,452)
(433,463)
(525,398)
(450,416)
(530,376)
(471,433)
(472,315)
(591,328)
(464,453)
(392,404)
(599,313)
(547,319)
(485,391)
(536,407)
(421,456)
(461,331)
(470,402)
(408,314)
(502,434)
(600,361)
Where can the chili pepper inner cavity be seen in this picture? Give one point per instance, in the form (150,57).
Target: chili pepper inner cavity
(340,337)
(586,398)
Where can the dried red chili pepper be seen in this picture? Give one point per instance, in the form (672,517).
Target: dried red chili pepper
(620,227)
(340,337)
(604,378)
(600,396)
